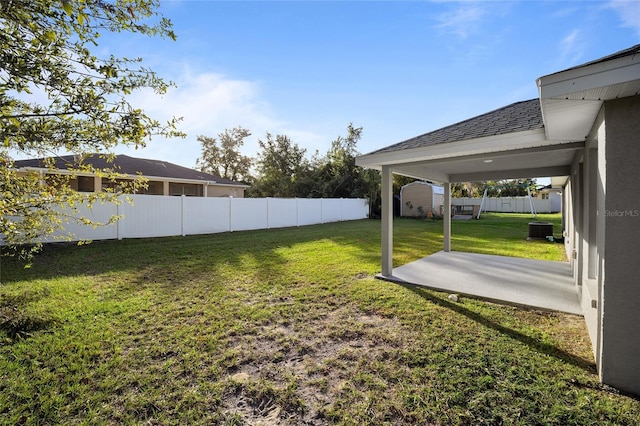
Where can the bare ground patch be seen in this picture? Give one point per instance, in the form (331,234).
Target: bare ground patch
(292,374)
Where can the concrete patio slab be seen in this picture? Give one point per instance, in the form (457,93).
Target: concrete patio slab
(527,282)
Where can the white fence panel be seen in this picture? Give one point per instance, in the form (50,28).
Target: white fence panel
(99,213)
(160,216)
(309,211)
(353,209)
(331,210)
(506,204)
(248,213)
(151,216)
(206,215)
(282,212)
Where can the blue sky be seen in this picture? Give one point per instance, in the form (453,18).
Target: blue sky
(398,69)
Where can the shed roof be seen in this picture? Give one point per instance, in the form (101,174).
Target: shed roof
(132,166)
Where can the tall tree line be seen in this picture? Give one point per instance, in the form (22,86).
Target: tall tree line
(282,168)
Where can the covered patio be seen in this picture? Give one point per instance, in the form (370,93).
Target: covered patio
(531,283)
(583,132)
(507,143)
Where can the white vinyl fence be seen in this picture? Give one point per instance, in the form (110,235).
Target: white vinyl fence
(163,216)
(507,204)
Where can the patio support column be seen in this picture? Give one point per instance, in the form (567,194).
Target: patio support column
(387,221)
(447,217)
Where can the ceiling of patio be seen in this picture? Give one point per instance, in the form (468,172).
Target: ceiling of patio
(546,161)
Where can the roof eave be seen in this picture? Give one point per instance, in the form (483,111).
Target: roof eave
(581,79)
(571,100)
(132,176)
(463,148)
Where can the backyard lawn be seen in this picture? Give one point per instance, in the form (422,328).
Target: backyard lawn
(287,327)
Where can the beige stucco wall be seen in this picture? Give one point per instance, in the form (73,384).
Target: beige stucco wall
(620,359)
(225,191)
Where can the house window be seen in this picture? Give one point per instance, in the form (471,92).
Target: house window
(188,189)
(78,183)
(86,184)
(154,187)
(545,196)
(117,185)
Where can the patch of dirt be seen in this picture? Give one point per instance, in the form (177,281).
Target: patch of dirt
(293,373)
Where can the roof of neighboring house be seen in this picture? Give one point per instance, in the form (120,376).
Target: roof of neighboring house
(519,116)
(549,188)
(132,166)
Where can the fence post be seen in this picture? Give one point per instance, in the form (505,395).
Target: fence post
(297,212)
(230,213)
(267,212)
(182,198)
(118,235)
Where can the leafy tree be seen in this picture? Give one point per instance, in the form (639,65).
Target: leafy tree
(281,168)
(284,171)
(341,177)
(468,189)
(57,95)
(511,188)
(399,181)
(222,157)
(500,188)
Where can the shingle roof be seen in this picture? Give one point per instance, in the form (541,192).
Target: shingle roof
(634,50)
(517,117)
(133,166)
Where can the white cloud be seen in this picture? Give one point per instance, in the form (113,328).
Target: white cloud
(628,11)
(210,103)
(463,21)
(572,47)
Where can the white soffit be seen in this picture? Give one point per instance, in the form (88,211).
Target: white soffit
(571,99)
(569,120)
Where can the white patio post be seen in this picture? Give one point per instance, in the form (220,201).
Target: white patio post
(447,217)
(387,221)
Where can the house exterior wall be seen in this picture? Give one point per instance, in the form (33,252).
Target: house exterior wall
(588,206)
(602,239)
(620,251)
(224,191)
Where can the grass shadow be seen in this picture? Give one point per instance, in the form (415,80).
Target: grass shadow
(17,320)
(531,342)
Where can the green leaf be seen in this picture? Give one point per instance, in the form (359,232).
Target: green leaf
(50,35)
(66,6)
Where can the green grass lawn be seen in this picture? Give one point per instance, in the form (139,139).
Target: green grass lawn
(287,327)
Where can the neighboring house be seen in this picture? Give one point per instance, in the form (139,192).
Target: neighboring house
(554,195)
(421,199)
(164,178)
(584,132)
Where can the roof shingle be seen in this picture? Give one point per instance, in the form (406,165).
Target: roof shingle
(132,166)
(517,117)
